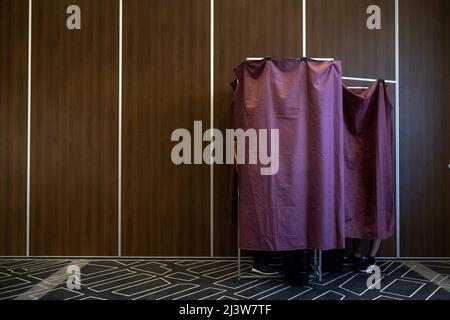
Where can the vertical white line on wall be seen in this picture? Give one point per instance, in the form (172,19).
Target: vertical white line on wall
(304,14)
(30,16)
(397,123)
(119,190)
(211,101)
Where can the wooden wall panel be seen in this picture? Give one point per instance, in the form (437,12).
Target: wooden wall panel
(424,128)
(74,129)
(245,28)
(166,209)
(337,28)
(13,125)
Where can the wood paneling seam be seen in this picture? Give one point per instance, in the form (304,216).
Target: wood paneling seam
(119,166)
(397,125)
(30,16)
(211,197)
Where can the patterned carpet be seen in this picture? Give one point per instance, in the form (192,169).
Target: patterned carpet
(211,280)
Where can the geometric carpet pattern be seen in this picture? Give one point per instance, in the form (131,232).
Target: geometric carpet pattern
(147,279)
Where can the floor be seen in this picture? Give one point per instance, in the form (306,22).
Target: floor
(139,279)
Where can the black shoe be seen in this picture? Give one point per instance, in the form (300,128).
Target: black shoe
(365,265)
(350,261)
(276,262)
(265,270)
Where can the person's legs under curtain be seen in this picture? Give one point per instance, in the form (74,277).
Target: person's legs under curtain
(361,263)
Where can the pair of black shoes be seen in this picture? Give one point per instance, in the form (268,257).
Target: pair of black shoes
(360,264)
(295,266)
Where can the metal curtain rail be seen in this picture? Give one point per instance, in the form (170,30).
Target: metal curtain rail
(331,59)
(263,58)
(366,79)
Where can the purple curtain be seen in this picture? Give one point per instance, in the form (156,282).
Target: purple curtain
(369,186)
(301,207)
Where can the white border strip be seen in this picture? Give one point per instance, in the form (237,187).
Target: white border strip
(397,124)
(211,106)
(119,173)
(30,19)
(304,17)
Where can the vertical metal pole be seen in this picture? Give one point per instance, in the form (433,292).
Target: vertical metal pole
(320,265)
(397,123)
(239,262)
(304,15)
(211,172)
(30,19)
(119,173)
(238,239)
(316,273)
